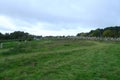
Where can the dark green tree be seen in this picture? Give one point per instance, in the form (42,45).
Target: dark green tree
(82,34)
(96,33)
(1,36)
(108,33)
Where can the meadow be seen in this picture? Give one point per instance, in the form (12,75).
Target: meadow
(60,59)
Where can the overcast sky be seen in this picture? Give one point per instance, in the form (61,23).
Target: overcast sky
(58,17)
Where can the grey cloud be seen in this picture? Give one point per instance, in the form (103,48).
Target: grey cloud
(62,14)
(2,28)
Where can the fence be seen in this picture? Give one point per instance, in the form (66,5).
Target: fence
(86,38)
(96,38)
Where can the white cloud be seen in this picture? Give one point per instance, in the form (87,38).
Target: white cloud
(58,17)
(6,24)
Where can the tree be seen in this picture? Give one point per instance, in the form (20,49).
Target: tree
(7,36)
(119,34)
(96,33)
(19,35)
(1,36)
(82,34)
(108,33)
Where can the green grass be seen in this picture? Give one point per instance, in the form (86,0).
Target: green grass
(60,60)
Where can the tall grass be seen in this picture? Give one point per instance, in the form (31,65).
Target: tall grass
(42,46)
(62,60)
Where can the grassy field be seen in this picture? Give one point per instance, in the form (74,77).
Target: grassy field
(60,60)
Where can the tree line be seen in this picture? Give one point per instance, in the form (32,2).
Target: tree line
(113,32)
(17,35)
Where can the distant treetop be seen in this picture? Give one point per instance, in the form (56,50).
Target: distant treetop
(17,35)
(106,32)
